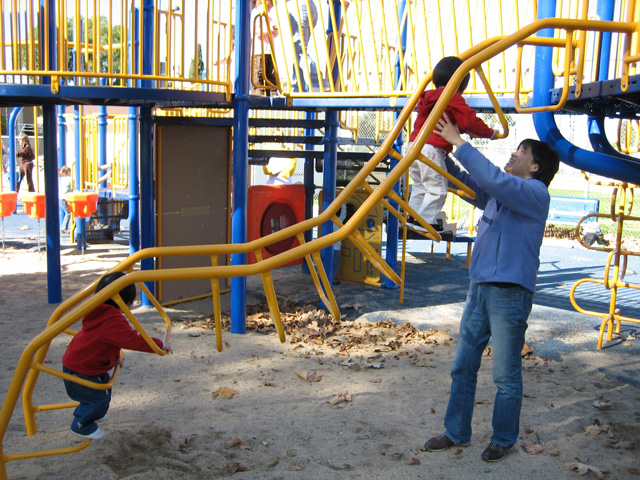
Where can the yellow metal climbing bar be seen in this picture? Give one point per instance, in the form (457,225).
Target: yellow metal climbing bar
(616,265)
(72,310)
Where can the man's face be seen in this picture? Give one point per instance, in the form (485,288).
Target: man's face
(521,163)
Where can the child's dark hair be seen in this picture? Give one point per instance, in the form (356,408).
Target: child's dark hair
(444,70)
(545,156)
(128,293)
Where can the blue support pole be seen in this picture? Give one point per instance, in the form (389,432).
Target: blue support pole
(102,139)
(62,150)
(134,189)
(62,136)
(147,204)
(309,184)
(81,243)
(392,222)
(13,116)
(240,164)
(52,204)
(604,11)
(329,185)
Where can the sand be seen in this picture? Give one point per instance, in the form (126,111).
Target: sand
(355,400)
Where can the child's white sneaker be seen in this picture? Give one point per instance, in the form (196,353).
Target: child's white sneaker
(98,433)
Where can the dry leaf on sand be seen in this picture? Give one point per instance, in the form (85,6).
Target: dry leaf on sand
(224,392)
(583,469)
(532,448)
(238,442)
(310,377)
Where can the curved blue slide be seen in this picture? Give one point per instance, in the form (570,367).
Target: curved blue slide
(605,161)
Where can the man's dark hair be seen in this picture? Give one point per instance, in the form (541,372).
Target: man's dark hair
(444,70)
(545,156)
(128,293)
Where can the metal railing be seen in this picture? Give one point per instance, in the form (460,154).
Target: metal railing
(372,47)
(67,314)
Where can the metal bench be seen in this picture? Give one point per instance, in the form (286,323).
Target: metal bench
(569,210)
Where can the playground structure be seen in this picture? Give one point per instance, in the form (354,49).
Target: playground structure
(574,56)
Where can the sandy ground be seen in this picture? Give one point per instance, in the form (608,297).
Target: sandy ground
(356,400)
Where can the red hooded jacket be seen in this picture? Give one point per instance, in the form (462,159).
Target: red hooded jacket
(457,110)
(96,347)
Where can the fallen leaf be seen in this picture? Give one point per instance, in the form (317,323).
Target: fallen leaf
(603,405)
(413,461)
(273,463)
(532,448)
(526,350)
(593,430)
(310,377)
(295,468)
(340,398)
(583,469)
(238,442)
(630,446)
(236,467)
(224,392)
(633,471)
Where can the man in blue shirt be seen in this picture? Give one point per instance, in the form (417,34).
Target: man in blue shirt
(503,273)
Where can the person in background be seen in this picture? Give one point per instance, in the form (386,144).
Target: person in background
(64,188)
(263,72)
(429,189)
(26,156)
(95,350)
(303,20)
(503,272)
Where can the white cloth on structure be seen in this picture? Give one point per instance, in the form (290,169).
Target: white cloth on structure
(429,189)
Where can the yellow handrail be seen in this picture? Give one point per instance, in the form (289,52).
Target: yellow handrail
(70,311)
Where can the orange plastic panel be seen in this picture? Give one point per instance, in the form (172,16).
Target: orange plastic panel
(272,208)
(81,204)
(33,204)
(7,203)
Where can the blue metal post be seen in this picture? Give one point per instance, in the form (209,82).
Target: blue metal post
(147,204)
(13,116)
(240,164)
(80,223)
(605,11)
(329,184)
(52,202)
(392,222)
(147,210)
(62,150)
(102,139)
(134,189)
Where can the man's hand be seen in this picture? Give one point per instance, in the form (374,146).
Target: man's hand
(449,131)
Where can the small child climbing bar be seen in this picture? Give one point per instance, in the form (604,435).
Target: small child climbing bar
(94,351)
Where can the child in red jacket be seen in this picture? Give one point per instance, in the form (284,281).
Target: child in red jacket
(94,351)
(429,190)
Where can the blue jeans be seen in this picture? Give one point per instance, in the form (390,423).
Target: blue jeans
(499,313)
(67,215)
(94,404)
(301,32)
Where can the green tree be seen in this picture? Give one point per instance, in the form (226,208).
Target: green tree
(192,68)
(85,57)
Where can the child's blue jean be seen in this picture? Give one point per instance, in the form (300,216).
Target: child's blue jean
(94,404)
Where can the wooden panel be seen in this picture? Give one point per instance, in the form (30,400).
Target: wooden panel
(193,199)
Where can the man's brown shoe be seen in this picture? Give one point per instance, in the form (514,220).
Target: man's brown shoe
(441,442)
(495,452)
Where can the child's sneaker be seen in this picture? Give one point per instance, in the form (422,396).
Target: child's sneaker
(95,435)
